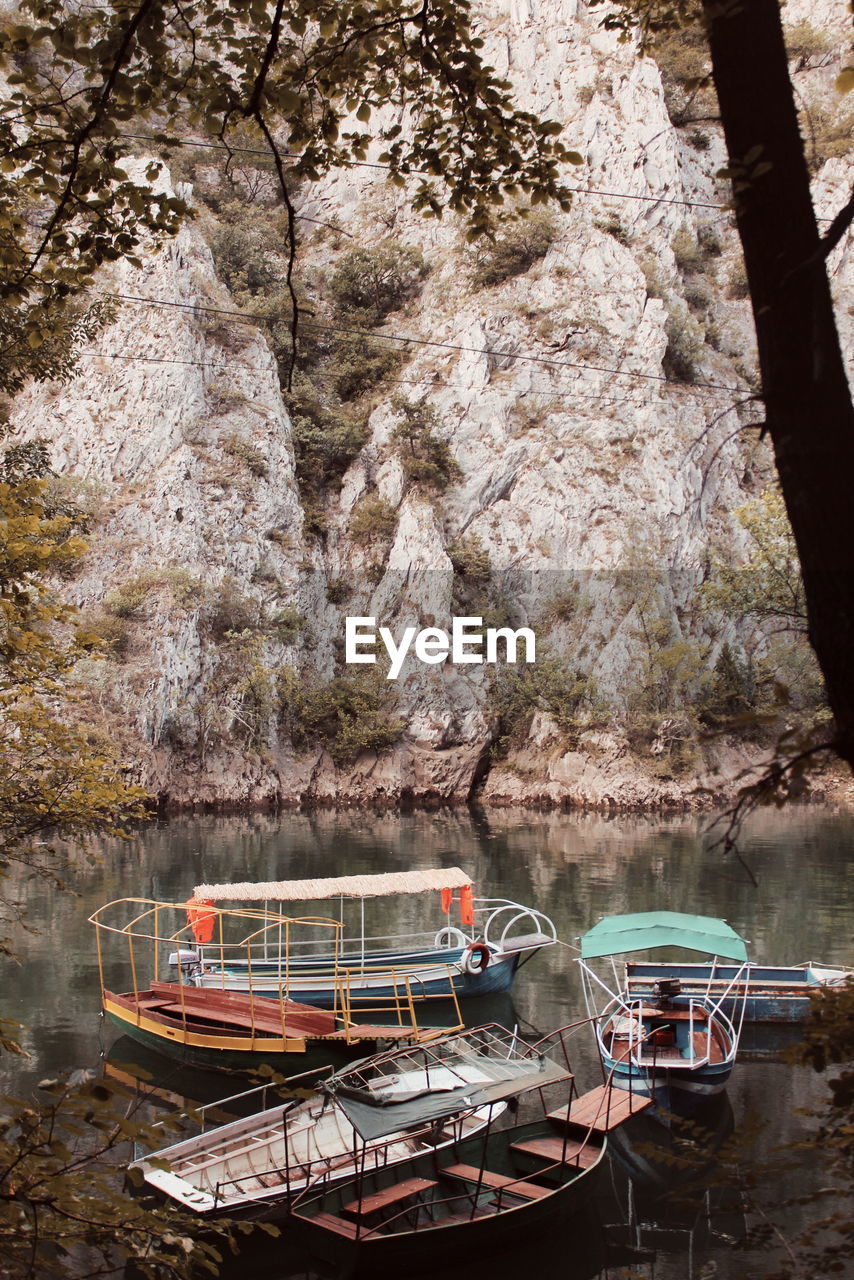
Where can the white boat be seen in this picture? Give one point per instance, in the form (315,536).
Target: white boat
(425,1097)
(483,941)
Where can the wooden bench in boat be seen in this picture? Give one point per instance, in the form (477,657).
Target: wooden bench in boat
(676,1015)
(333,1223)
(597,1111)
(390,1195)
(497,1181)
(364,1032)
(557,1150)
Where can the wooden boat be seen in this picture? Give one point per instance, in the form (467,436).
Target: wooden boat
(774,993)
(252,1166)
(677,1047)
(469,1199)
(484,941)
(216,1027)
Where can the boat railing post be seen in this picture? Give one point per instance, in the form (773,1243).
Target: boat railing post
(482,1163)
(363,936)
(411,1002)
(287,1152)
(133,974)
(397,1005)
(251,994)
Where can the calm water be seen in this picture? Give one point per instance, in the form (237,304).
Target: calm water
(576,868)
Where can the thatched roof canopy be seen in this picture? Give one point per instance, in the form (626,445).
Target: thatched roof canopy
(376,886)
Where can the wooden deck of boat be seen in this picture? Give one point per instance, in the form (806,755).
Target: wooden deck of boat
(601,1112)
(258,1013)
(557,1150)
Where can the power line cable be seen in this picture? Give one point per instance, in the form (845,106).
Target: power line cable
(372,164)
(251,318)
(329,377)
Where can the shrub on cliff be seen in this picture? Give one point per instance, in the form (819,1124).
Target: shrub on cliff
(425,457)
(516,250)
(346,716)
(373,520)
(375,281)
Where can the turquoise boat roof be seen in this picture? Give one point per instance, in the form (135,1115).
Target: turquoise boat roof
(616,935)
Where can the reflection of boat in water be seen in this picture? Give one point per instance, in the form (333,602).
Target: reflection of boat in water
(766,1041)
(222,1028)
(659,1157)
(670,1045)
(160,1080)
(665,1185)
(492,939)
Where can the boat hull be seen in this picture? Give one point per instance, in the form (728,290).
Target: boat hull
(775,993)
(429,973)
(225,1050)
(674,1090)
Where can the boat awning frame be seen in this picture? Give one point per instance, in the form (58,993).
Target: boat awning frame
(389,1116)
(363,886)
(641,931)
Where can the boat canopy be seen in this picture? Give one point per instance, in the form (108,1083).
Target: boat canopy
(374,886)
(452,1088)
(617,935)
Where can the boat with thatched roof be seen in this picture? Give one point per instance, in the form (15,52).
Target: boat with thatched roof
(483,941)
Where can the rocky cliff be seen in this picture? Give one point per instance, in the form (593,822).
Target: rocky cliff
(584,415)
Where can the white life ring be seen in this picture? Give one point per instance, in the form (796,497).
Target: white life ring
(475,958)
(450,937)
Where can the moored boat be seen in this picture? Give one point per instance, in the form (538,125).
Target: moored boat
(484,941)
(225,1029)
(253,1166)
(773,993)
(472,1198)
(679,1048)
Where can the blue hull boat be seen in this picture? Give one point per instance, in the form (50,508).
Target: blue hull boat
(774,993)
(664,1042)
(378,976)
(478,954)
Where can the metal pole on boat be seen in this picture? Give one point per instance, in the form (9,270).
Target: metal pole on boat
(363,937)
(482,1163)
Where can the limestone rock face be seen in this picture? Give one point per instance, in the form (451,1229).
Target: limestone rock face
(587,465)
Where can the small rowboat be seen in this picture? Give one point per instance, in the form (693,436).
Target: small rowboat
(472,1199)
(254,1166)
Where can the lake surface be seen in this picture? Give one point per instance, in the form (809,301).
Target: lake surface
(576,868)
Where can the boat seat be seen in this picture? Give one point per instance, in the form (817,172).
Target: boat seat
(367,1205)
(497,1181)
(333,1223)
(556,1151)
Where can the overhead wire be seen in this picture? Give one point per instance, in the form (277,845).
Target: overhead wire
(330,377)
(251,318)
(374,164)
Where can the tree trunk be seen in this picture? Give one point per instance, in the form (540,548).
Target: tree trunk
(808,409)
